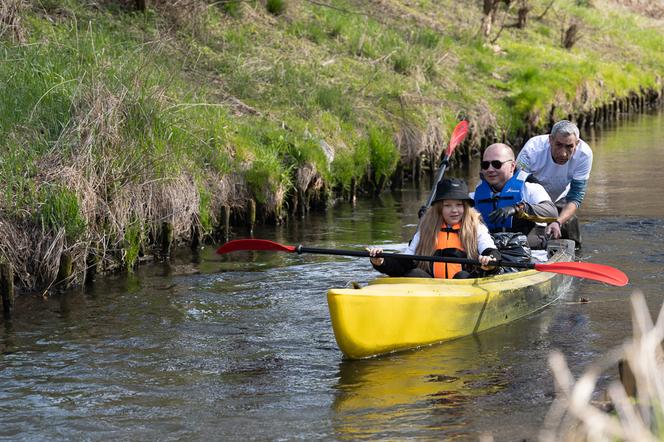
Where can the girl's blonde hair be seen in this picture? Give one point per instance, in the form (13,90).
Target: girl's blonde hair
(433,221)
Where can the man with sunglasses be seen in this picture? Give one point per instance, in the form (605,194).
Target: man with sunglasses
(561,162)
(509,199)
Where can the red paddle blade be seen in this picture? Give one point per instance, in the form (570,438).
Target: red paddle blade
(253,244)
(588,270)
(457,137)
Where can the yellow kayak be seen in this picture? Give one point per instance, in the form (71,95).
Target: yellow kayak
(392,314)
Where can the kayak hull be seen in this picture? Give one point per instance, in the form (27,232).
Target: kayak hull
(393,314)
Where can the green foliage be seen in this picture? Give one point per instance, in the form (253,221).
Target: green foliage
(232,8)
(60,209)
(427,37)
(132,244)
(41,84)
(383,151)
(402,63)
(276,7)
(267,175)
(311,29)
(205,209)
(267,148)
(53,6)
(333,99)
(350,164)
(17,171)
(484,66)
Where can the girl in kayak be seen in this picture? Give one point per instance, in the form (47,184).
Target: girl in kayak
(451,227)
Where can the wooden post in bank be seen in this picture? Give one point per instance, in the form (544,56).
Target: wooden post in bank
(7,288)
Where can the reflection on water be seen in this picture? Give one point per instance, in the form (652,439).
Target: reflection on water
(413,393)
(241,347)
(628,161)
(443,390)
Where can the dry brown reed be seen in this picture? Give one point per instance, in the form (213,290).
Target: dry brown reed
(274,201)
(308,179)
(10,20)
(482,127)
(575,417)
(116,189)
(148,204)
(433,138)
(98,117)
(189,16)
(228,190)
(410,142)
(414,142)
(652,8)
(34,254)
(142,206)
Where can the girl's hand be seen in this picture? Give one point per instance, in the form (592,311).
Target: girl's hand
(485,260)
(373,252)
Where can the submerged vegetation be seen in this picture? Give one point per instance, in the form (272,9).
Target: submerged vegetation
(126,126)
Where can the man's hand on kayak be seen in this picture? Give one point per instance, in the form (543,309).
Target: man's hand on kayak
(553,230)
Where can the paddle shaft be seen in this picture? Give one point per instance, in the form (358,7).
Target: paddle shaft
(597,272)
(364,254)
(439,176)
(458,134)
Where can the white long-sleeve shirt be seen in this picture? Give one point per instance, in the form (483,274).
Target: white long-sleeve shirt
(484,241)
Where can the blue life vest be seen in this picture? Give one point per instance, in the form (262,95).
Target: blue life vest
(512,193)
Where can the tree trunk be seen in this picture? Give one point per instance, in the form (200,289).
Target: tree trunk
(522,15)
(571,36)
(489,9)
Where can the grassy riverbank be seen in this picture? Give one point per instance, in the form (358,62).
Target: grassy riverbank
(122,130)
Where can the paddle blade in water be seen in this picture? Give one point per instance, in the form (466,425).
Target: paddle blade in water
(588,270)
(253,244)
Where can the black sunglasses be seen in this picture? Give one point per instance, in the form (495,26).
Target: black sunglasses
(495,163)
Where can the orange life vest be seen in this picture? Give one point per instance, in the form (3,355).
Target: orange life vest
(448,237)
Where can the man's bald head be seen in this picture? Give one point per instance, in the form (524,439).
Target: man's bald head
(498,165)
(503,151)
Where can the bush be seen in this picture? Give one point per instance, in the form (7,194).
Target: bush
(383,151)
(427,38)
(334,100)
(60,208)
(133,241)
(402,63)
(276,7)
(232,8)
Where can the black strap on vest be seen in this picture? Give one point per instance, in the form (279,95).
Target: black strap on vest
(450,230)
(496,198)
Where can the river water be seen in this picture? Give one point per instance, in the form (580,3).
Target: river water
(241,347)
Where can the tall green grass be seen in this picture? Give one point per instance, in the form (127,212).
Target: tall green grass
(383,152)
(59,208)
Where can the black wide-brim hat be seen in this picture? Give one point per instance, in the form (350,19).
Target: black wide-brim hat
(452,189)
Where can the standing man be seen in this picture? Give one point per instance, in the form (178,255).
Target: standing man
(561,162)
(509,200)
